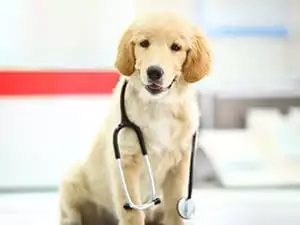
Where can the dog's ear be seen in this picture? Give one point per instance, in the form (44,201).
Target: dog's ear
(125,61)
(198,60)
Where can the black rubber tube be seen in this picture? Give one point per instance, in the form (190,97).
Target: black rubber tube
(192,159)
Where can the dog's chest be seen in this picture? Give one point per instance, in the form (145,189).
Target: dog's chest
(159,129)
(158,134)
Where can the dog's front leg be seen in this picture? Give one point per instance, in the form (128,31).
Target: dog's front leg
(132,169)
(174,188)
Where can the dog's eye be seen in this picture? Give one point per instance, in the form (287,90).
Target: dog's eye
(145,43)
(175,47)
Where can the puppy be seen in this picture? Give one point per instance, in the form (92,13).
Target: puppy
(160,56)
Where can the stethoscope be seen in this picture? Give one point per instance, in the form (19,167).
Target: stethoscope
(185,206)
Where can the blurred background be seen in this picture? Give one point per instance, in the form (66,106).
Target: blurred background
(56,77)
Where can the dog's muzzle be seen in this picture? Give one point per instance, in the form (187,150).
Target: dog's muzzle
(155,89)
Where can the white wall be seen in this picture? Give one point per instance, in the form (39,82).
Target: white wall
(183,7)
(263,45)
(61,33)
(294,46)
(40,137)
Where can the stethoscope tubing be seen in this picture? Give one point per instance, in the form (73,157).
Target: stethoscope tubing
(126,123)
(130,204)
(192,160)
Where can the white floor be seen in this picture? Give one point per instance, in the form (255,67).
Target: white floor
(29,209)
(214,207)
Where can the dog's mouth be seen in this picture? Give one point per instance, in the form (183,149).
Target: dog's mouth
(155,88)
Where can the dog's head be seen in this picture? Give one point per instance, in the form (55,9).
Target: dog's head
(161,50)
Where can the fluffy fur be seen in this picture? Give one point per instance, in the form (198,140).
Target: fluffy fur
(168,121)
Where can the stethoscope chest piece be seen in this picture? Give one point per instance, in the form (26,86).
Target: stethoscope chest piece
(186,208)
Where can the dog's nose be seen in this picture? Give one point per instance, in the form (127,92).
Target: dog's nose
(154,73)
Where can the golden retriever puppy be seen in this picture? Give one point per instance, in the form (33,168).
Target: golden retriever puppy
(160,55)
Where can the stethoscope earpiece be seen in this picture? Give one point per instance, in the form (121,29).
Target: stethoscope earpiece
(186,208)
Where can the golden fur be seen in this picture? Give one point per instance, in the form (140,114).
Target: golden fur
(168,121)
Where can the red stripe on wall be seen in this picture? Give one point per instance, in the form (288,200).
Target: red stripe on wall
(57,82)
